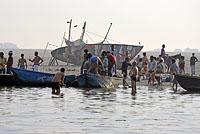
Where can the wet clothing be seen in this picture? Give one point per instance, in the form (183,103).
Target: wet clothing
(56,88)
(133,78)
(57,79)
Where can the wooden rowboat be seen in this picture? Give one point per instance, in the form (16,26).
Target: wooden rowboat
(189,83)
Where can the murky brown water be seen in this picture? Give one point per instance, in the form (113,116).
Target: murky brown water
(153,110)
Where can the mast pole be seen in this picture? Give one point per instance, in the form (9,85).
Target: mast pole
(107,33)
(82,35)
(63,39)
(70,25)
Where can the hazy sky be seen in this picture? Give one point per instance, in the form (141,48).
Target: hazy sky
(33,23)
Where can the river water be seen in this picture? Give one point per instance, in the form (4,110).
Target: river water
(154,110)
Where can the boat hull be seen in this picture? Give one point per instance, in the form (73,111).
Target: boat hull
(96,81)
(38,79)
(7,80)
(189,83)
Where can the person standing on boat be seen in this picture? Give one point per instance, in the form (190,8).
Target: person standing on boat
(3,61)
(9,62)
(193,60)
(162,53)
(58,80)
(133,74)
(22,64)
(124,68)
(173,71)
(37,60)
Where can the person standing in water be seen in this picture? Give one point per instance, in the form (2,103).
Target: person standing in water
(124,68)
(58,80)
(37,60)
(173,71)
(133,74)
(193,60)
(22,64)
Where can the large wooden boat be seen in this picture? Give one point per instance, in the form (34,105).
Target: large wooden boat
(38,79)
(89,80)
(189,83)
(73,51)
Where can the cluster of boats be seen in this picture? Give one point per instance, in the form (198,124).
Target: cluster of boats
(22,77)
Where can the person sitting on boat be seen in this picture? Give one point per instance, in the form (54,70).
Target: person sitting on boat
(111,63)
(152,70)
(182,65)
(9,62)
(173,71)
(3,61)
(124,69)
(133,74)
(95,62)
(37,60)
(57,81)
(22,64)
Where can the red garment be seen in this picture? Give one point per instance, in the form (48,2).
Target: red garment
(112,58)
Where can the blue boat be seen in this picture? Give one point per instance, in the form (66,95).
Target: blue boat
(89,80)
(38,79)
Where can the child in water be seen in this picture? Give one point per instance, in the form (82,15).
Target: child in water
(133,74)
(58,80)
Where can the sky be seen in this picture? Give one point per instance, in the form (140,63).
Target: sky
(33,23)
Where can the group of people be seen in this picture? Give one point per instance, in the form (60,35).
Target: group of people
(7,64)
(104,65)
